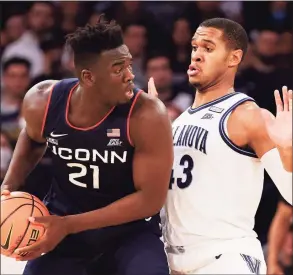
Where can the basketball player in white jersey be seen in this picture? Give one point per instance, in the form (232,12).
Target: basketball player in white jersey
(222,145)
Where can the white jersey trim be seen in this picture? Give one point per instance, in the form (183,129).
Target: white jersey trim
(209,104)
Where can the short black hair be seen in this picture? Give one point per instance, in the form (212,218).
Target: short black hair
(90,41)
(16,61)
(233,32)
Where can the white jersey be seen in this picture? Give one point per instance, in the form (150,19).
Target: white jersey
(215,187)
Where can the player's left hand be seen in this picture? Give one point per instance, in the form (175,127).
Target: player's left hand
(152,90)
(55,232)
(279,128)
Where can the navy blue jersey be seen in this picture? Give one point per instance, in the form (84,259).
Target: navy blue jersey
(92,167)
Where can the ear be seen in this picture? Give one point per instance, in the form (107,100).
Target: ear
(87,78)
(235,58)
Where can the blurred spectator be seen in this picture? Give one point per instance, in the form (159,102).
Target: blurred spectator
(14,27)
(126,12)
(263,75)
(285,51)
(67,62)
(158,66)
(6,154)
(180,49)
(232,10)
(198,11)
(279,18)
(40,20)
(53,49)
(69,11)
(15,82)
(135,37)
(280,241)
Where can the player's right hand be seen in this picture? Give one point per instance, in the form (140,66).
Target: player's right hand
(274,269)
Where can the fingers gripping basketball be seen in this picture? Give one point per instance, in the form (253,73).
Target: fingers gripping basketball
(16,230)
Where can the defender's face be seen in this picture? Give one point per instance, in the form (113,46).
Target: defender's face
(114,72)
(208,58)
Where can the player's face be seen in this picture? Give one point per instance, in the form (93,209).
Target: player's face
(209,58)
(114,73)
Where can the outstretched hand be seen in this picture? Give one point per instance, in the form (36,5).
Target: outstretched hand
(279,128)
(152,88)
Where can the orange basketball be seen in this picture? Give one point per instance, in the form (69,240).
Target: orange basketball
(16,230)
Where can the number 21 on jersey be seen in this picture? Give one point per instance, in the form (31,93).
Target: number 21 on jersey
(83,171)
(186,163)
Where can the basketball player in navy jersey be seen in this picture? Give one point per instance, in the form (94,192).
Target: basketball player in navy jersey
(221,146)
(112,153)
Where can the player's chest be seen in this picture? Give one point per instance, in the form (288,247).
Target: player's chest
(196,134)
(104,144)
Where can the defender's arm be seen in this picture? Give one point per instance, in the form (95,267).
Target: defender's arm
(257,137)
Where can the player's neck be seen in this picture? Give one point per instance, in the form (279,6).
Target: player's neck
(210,94)
(87,101)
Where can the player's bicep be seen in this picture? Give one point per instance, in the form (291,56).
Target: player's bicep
(34,109)
(153,158)
(258,138)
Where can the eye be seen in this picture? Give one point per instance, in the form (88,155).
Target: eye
(194,48)
(208,49)
(118,71)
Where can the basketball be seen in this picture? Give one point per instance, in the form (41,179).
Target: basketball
(16,230)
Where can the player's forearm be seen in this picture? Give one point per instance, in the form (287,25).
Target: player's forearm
(25,157)
(272,162)
(277,233)
(130,208)
(286,157)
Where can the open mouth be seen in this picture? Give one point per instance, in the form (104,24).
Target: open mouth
(192,71)
(129,93)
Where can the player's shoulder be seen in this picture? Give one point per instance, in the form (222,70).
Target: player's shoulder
(148,105)
(36,99)
(250,116)
(39,92)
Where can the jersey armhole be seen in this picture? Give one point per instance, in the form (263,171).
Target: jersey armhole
(224,131)
(46,110)
(128,118)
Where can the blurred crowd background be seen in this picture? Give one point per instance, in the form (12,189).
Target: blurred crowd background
(158,35)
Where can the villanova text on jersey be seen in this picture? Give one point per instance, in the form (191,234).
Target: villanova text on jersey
(190,136)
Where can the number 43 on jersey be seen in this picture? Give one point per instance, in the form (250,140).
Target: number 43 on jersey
(187,164)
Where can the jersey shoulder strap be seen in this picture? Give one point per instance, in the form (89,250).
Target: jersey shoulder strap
(57,101)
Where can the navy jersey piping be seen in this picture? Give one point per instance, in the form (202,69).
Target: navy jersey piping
(216,101)
(129,116)
(247,152)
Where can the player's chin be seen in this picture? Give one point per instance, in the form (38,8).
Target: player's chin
(124,100)
(194,81)
(128,96)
